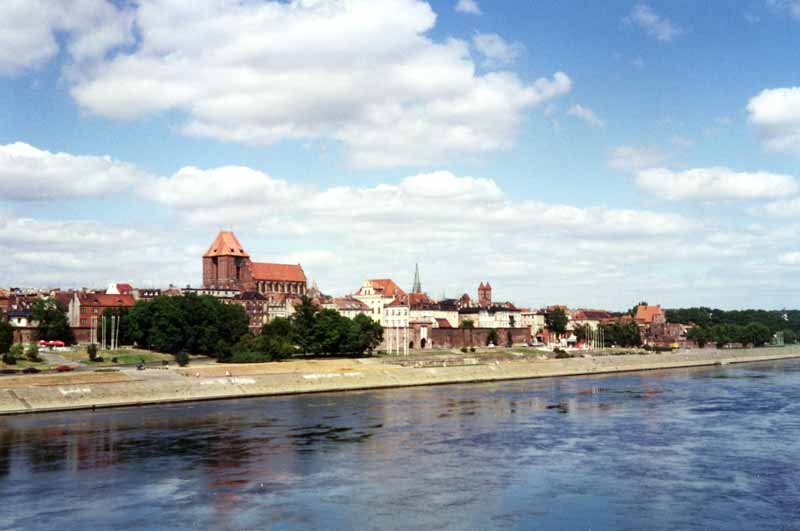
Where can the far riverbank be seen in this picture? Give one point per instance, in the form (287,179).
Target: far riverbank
(129,387)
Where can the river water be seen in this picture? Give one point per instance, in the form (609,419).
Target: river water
(685,449)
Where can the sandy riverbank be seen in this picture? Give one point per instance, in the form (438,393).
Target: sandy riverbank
(128,387)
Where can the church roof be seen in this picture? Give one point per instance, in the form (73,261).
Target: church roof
(280,272)
(226,244)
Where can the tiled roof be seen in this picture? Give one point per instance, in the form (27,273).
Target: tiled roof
(646,314)
(280,272)
(443,323)
(226,244)
(398,302)
(349,303)
(418,298)
(386,287)
(124,288)
(104,300)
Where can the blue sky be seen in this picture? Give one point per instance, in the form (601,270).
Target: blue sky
(588,153)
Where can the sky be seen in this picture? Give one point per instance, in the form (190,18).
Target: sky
(587,153)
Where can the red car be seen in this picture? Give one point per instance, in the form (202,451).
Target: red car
(64,368)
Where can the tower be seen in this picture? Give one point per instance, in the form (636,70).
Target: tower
(485,295)
(417,286)
(226,264)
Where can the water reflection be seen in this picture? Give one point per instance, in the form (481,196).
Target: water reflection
(670,449)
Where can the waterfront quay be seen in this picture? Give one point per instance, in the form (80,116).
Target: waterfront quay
(211,381)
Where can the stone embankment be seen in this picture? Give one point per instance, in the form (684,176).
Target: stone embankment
(33,393)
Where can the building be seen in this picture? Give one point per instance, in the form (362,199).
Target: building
(396,314)
(435,313)
(256,306)
(590,318)
(349,307)
(86,310)
(497,316)
(647,315)
(484,295)
(226,265)
(377,294)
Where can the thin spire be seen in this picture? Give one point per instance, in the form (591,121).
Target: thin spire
(417,287)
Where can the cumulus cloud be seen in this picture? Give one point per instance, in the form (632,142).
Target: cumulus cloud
(263,72)
(29,174)
(468,6)
(714,184)
(72,253)
(586,114)
(633,158)
(28,39)
(775,114)
(495,50)
(782,209)
(661,28)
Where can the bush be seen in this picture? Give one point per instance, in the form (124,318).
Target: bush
(463,349)
(182,358)
(9,359)
(32,353)
(491,337)
(17,351)
(472,349)
(92,351)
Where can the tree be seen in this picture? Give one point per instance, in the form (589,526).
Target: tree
(789,336)
(91,350)
(699,335)
(304,320)
(32,352)
(467,323)
(51,316)
(582,332)
(123,329)
(491,337)
(6,336)
(197,324)
(556,321)
(366,335)
(757,334)
(17,351)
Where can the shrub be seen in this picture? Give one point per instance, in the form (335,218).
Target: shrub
(17,351)
(32,353)
(472,349)
(491,337)
(463,349)
(92,351)
(182,358)
(9,359)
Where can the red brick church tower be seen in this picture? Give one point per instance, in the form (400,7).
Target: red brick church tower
(226,264)
(485,295)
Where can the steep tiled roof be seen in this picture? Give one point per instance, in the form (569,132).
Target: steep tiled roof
(280,272)
(646,314)
(349,303)
(386,287)
(443,323)
(226,244)
(398,302)
(124,288)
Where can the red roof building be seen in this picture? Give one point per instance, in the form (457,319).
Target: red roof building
(227,265)
(649,315)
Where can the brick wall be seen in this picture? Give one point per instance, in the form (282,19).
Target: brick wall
(456,338)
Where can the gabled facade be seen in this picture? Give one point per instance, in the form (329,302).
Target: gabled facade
(377,294)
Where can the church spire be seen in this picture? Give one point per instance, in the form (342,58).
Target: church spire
(417,287)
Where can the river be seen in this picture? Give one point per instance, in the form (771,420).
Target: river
(714,448)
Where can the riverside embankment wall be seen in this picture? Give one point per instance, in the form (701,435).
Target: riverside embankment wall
(178,388)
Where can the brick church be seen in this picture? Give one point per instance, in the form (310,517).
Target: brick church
(226,265)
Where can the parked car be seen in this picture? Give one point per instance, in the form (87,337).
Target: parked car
(31,370)
(64,368)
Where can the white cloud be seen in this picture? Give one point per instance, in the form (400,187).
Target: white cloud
(28,39)
(586,114)
(775,113)
(790,259)
(643,16)
(632,158)
(263,72)
(792,7)
(783,209)
(714,184)
(29,174)
(73,253)
(468,6)
(495,50)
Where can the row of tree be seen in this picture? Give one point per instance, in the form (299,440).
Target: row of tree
(755,334)
(189,323)
(310,330)
(786,321)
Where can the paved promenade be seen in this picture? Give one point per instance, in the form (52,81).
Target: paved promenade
(129,387)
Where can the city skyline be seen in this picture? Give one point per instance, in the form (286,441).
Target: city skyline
(592,156)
